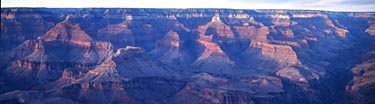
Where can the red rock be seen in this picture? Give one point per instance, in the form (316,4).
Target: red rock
(67,31)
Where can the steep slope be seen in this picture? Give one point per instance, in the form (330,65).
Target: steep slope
(138,55)
(133,62)
(361,87)
(66,30)
(65,45)
(213,58)
(168,50)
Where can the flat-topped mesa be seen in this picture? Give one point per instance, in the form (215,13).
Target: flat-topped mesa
(283,55)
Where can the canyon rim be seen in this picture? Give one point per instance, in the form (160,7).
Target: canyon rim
(192,56)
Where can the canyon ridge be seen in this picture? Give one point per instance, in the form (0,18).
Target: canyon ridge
(186,56)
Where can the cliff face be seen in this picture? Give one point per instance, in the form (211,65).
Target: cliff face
(116,55)
(361,87)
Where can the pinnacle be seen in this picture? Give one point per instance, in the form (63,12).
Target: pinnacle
(216,18)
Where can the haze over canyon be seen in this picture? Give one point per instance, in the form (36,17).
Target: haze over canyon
(186,56)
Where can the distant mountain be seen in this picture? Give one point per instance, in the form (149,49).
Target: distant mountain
(192,56)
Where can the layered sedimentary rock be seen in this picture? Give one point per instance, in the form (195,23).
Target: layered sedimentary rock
(133,62)
(168,50)
(361,87)
(119,55)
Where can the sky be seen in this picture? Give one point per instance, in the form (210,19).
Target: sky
(330,5)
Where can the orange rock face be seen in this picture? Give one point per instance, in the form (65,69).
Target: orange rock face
(217,28)
(282,54)
(193,56)
(67,31)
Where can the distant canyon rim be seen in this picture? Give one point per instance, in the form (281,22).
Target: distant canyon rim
(186,56)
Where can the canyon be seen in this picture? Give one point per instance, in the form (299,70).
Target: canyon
(192,56)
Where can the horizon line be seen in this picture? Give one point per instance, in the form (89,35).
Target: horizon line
(301,9)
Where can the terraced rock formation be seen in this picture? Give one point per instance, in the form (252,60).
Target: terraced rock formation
(174,56)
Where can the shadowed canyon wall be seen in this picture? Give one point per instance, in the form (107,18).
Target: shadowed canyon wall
(223,56)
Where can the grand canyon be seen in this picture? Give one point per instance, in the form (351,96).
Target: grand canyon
(186,56)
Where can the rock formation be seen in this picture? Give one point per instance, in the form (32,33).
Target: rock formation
(129,55)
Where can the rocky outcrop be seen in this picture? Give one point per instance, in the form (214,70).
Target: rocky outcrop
(105,72)
(118,34)
(66,30)
(212,59)
(254,89)
(169,51)
(128,55)
(47,60)
(133,62)
(217,28)
(278,53)
(361,87)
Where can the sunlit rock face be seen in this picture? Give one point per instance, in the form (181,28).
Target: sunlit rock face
(174,56)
